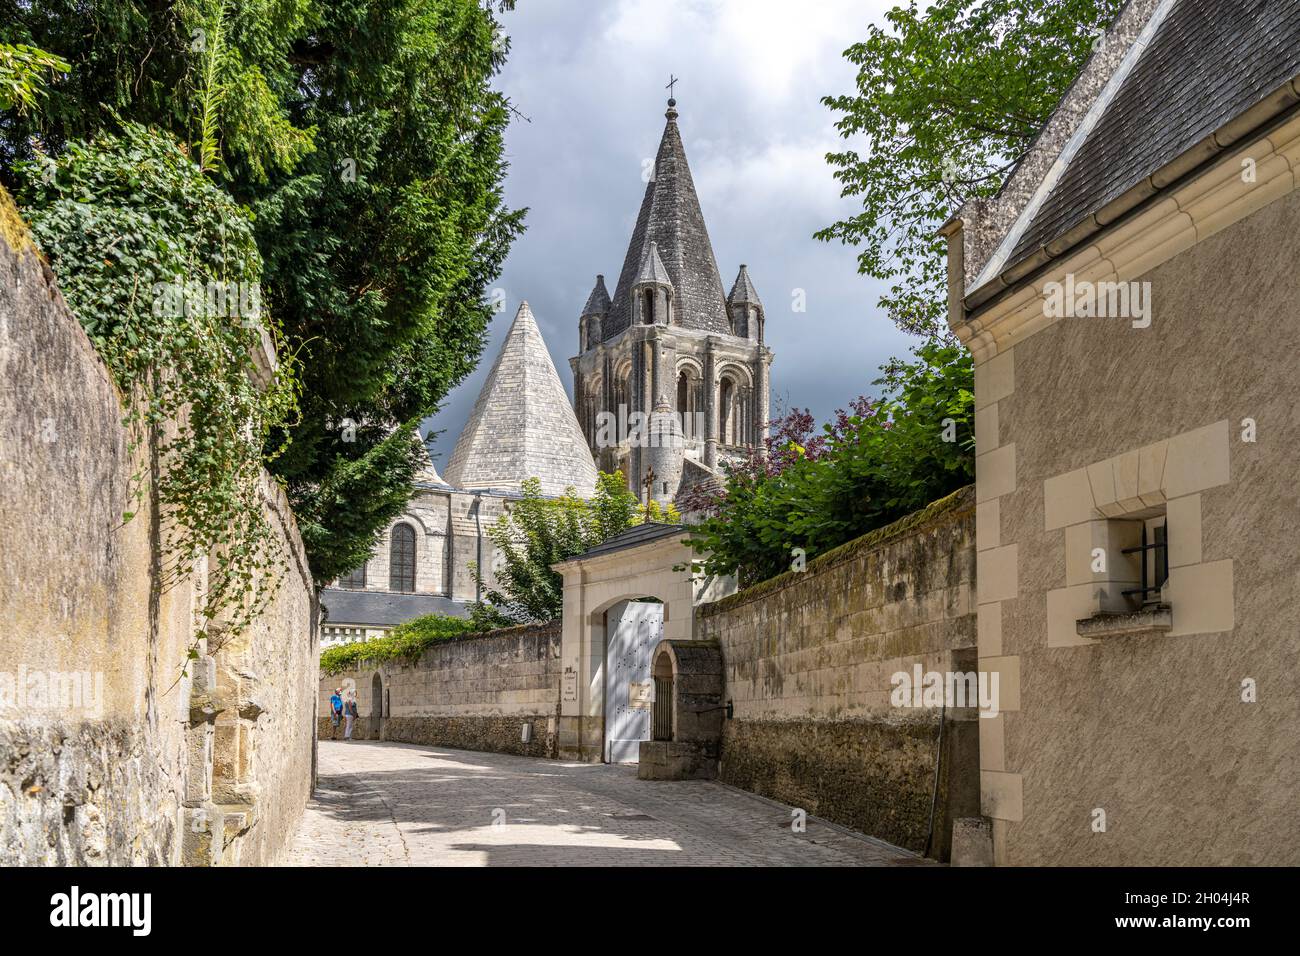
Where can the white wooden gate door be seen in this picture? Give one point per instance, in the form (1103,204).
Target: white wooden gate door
(633,628)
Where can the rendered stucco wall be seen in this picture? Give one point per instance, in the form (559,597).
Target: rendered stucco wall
(1152,730)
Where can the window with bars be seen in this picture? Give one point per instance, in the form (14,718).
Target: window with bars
(355,580)
(401,559)
(1153,562)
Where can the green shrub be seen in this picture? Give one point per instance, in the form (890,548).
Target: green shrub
(404,642)
(873,465)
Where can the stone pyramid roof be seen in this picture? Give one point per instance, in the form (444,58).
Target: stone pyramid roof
(743,290)
(670,217)
(598,301)
(522,425)
(652,267)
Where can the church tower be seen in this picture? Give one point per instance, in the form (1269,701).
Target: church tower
(672,375)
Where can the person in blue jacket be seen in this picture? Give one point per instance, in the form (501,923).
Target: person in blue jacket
(336,711)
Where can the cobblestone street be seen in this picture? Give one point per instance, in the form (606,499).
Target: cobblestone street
(389,804)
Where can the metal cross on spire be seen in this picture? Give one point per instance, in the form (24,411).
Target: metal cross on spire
(672,81)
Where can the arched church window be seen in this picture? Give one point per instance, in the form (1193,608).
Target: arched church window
(689,402)
(354,580)
(648,309)
(726,420)
(401,559)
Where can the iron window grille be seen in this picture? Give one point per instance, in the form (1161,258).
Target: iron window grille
(1155,569)
(663,708)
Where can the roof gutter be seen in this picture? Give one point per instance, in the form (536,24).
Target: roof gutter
(1272,111)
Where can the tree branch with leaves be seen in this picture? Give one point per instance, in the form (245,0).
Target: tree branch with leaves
(948,98)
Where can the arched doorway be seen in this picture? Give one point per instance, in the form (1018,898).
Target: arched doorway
(376,707)
(654,560)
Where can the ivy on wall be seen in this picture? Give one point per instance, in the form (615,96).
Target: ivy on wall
(161,268)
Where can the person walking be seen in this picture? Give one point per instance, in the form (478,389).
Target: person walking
(336,711)
(349,715)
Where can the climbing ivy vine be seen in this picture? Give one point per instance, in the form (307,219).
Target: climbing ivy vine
(160,266)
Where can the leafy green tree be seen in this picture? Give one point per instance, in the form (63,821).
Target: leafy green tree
(538,532)
(23,77)
(380,250)
(874,464)
(365,137)
(159,62)
(949,96)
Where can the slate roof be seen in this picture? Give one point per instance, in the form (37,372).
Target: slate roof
(743,289)
(384,608)
(1208,62)
(632,537)
(522,425)
(598,301)
(670,217)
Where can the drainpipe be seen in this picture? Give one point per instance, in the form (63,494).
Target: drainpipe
(478,566)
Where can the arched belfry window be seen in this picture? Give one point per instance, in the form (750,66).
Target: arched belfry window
(726,420)
(648,309)
(401,559)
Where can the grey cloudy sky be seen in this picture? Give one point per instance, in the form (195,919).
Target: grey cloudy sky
(590,74)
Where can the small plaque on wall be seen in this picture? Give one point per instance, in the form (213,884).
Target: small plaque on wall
(640,694)
(570,684)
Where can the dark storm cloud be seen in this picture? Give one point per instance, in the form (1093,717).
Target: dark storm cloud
(591,78)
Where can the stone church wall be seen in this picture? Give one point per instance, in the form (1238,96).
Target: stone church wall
(809,658)
(109,753)
(475,693)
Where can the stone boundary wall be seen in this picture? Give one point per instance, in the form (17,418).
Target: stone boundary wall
(112,750)
(475,692)
(808,661)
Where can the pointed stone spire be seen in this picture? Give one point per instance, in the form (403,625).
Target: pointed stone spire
(742,292)
(746,311)
(670,217)
(652,271)
(522,425)
(598,301)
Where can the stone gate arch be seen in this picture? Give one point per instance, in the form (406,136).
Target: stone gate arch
(649,560)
